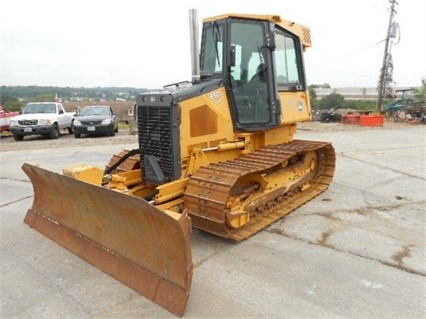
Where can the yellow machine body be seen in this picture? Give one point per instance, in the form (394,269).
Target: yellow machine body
(216,153)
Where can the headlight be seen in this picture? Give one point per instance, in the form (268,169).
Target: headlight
(44,122)
(13,123)
(77,123)
(106,122)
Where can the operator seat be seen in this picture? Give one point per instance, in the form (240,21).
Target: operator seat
(260,75)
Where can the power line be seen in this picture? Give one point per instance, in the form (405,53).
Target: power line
(347,55)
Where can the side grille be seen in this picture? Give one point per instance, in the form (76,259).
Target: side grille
(306,37)
(159,140)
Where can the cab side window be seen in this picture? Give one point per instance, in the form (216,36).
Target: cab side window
(288,73)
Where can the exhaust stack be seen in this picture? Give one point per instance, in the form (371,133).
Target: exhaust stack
(195,51)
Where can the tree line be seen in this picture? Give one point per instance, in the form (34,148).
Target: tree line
(336,101)
(14,98)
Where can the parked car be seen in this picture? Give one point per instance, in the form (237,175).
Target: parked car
(96,120)
(41,118)
(5,117)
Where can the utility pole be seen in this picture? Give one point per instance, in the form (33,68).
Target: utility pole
(387,66)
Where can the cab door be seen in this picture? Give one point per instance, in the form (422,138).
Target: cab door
(254,99)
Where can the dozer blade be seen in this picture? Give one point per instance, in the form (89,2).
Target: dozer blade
(145,248)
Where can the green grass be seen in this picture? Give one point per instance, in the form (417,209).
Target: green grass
(123,126)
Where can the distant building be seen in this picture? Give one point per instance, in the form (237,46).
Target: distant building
(57,99)
(352,93)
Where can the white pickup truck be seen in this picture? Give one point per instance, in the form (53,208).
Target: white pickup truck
(41,118)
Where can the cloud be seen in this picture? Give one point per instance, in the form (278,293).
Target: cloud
(126,43)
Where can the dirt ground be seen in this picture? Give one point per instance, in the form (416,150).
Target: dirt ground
(7,143)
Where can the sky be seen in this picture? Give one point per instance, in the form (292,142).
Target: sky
(91,43)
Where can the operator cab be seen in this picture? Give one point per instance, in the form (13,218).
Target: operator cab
(257,59)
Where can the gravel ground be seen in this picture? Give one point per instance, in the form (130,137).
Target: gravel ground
(7,143)
(316,126)
(65,140)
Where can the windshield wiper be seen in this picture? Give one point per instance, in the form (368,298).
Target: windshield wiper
(216,35)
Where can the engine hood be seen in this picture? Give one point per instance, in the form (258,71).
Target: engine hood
(35,116)
(94,118)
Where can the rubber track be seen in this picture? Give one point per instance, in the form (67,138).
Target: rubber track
(208,190)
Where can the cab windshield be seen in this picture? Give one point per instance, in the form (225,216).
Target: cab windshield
(39,108)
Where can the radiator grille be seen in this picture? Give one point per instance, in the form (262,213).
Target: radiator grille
(28,122)
(91,122)
(157,139)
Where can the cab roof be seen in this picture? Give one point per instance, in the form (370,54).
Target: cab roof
(300,30)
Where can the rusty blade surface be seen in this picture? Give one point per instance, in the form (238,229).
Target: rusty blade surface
(145,248)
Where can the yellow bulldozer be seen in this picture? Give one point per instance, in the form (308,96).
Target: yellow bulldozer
(216,153)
